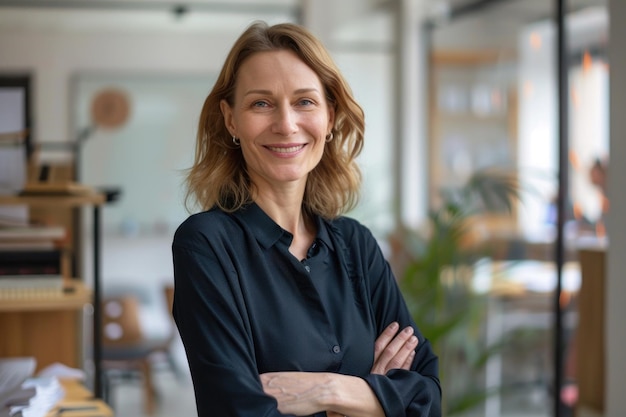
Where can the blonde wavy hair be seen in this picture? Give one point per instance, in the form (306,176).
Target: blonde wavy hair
(218,177)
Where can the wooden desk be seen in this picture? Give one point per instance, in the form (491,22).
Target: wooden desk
(76,395)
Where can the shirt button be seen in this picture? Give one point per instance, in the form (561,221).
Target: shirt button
(336,349)
(308,268)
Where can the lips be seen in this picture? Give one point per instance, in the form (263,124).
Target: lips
(285,149)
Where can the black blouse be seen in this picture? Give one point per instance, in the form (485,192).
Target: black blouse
(244,305)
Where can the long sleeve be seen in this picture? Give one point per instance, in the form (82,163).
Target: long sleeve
(412,393)
(213,325)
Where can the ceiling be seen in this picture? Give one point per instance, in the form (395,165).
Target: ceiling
(460,23)
(124,16)
(498,24)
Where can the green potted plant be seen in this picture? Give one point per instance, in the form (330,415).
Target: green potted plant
(437,282)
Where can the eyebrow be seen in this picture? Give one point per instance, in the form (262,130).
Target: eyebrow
(268,92)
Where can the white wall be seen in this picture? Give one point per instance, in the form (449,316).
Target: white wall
(52,58)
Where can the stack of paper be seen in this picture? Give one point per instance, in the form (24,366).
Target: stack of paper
(45,393)
(13,372)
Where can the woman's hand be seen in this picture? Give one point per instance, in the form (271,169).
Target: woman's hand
(299,393)
(393,349)
(306,393)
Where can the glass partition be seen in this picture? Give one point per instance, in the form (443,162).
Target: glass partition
(494,103)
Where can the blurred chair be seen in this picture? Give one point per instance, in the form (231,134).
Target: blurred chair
(127,353)
(168,292)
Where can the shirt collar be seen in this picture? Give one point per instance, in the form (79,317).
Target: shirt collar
(323,234)
(267,232)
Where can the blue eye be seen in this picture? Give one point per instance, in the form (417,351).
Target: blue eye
(306,102)
(259,104)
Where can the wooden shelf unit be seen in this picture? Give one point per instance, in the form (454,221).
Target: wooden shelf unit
(44,327)
(73,297)
(45,324)
(53,200)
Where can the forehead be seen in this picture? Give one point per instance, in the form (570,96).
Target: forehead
(280,66)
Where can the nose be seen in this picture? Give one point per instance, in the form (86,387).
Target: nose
(285,121)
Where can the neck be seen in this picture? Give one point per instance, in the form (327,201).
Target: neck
(288,214)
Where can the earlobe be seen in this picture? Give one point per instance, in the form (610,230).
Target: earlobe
(227,113)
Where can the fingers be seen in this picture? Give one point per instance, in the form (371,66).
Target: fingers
(409,360)
(396,352)
(383,340)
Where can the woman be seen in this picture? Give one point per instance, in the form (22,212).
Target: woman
(283,305)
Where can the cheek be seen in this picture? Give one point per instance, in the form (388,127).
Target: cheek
(319,127)
(319,150)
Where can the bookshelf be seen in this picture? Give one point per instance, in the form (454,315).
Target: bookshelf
(46,324)
(472,124)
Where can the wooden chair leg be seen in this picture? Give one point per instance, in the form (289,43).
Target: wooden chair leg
(148,386)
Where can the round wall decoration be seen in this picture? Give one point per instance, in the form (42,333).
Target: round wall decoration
(110,108)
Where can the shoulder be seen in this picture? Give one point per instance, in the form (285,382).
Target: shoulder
(360,251)
(351,231)
(348,225)
(209,221)
(200,228)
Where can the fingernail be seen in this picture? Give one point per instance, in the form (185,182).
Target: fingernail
(413,339)
(408,330)
(394,325)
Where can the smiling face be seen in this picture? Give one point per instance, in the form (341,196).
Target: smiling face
(281,116)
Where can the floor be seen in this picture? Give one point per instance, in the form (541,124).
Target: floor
(175,395)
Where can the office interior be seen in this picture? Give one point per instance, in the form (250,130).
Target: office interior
(449,87)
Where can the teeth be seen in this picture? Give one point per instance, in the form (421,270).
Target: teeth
(285,150)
